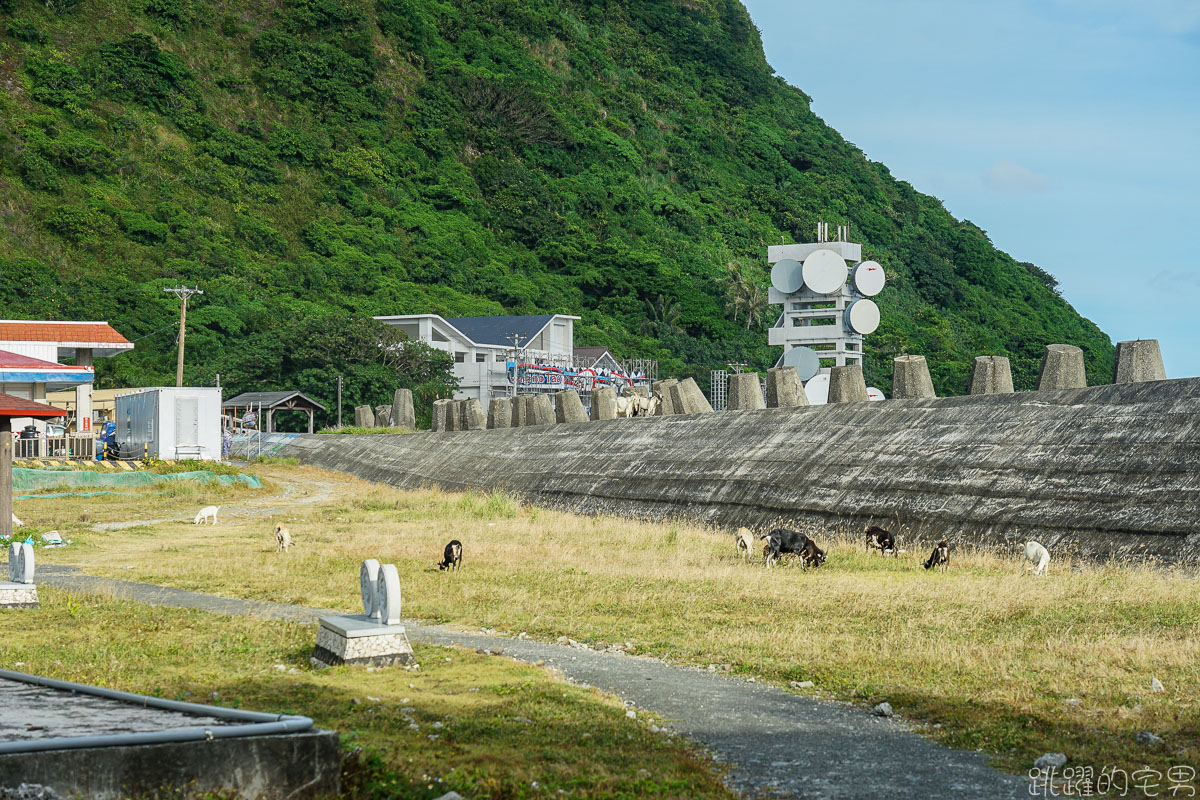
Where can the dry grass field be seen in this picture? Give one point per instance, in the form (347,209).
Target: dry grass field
(988,656)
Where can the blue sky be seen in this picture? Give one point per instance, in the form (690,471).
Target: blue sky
(1069,130)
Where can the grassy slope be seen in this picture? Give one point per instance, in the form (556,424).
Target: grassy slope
(396,156)
(985,652)
(493,712)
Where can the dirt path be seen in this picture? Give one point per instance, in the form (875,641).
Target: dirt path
(297,491)
(777,743)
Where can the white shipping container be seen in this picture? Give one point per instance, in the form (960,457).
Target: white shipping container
(170,423)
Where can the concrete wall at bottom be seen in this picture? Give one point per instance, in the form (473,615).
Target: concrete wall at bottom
(299,765)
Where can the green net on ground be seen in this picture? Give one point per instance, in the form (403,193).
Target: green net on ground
(34,480)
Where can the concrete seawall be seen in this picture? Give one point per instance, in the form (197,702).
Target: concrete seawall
(1107,470)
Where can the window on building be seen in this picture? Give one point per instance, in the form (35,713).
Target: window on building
(439,337)
(460,358)
(501,358)
(480,358)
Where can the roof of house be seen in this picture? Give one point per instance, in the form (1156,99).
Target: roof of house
(99,337)
(272,400)
(16,330)
(11,406)
(594,353)
(497,330)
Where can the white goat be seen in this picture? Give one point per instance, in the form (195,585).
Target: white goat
(283,538)
(625,406)
(16,522)
(1038,556)
(206,512)
(745,542)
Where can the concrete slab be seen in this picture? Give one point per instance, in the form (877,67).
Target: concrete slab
(76,741)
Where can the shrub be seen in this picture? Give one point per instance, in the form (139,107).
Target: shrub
(25,31)
(38,173)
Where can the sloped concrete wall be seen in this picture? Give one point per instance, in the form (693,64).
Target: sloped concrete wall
(1104,470)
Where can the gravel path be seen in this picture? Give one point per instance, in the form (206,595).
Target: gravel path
(777,743)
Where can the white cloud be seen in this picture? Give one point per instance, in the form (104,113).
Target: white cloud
(1007,175)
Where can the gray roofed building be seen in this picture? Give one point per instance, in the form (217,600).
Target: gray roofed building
(499,330)
(482,346)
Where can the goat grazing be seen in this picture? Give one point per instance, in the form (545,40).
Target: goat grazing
(781,541)
(940,557)
(206,512)
(882,540)
(451,556)
(1038,556)
(283,538)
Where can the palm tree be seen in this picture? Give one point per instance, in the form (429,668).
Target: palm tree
(746,296)
(662,316)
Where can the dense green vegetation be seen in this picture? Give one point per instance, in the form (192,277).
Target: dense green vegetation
(309,162)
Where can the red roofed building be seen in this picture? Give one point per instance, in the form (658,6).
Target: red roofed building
(43,344)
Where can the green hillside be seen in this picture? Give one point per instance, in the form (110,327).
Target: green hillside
(312,162)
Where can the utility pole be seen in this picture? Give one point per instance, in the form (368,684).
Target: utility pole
(339,402)
(183,292)
(515,340)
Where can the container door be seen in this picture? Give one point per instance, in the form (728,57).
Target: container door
(187,422)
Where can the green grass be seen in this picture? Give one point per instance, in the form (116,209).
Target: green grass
(500,725)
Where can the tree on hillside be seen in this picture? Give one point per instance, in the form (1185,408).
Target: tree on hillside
(743,285)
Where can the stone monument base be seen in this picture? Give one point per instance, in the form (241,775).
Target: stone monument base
(357,639)
(18,595)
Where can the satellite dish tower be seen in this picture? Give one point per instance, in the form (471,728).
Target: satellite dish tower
(825,289)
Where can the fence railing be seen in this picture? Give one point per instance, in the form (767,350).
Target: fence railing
(74,447)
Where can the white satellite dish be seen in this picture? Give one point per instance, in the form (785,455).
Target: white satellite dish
(817,390)
(787,275)
(862,316)
(824,272)
(874,394)
(805,360)
(869,278)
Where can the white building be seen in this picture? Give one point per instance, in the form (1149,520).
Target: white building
(484,346)
(170,422)
(54,341)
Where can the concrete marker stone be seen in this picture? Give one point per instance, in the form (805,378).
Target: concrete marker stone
(784,388)
(364,417)
(541,410)
(991,375)
(1062,368)
(910,378)
(441,414)
(568,407)
(1139,361)
(403,413)
(847,385)
(471,416)
(500,412)
(745,392)
(604,403)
